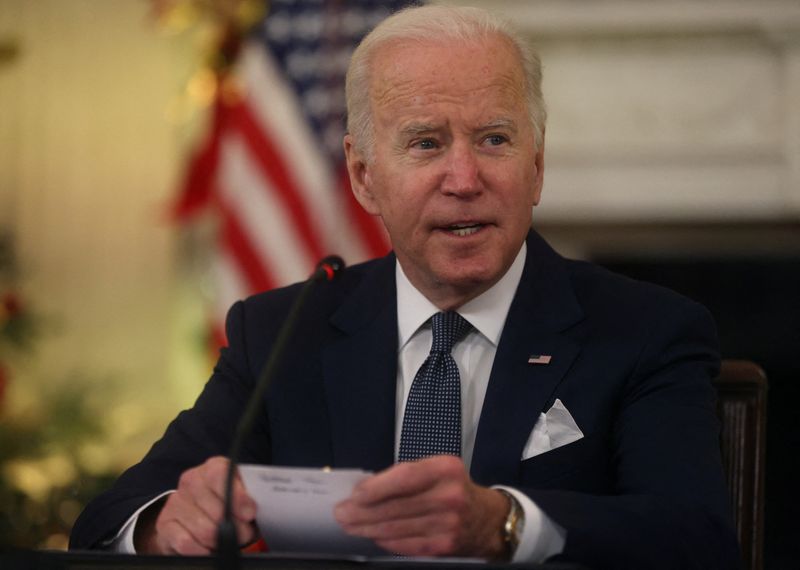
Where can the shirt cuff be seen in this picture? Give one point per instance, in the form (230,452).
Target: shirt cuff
(541,537)
(123,542)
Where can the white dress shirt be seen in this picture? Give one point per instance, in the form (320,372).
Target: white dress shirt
(474,355)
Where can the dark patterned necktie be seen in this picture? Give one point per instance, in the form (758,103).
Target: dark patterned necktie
(432,421)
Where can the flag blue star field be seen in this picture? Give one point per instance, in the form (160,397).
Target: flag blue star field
(272,169)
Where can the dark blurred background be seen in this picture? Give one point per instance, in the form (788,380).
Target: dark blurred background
(750,281)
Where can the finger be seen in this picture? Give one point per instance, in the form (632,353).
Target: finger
(406,528)
(446,496)
(350,513)
(210,493)
(244,506)
(213,475)
(470,531)
(180,509)
(202,529)
(430,545)
(210,498)
(174,538)
(409,478)
(246,533)
(198,493)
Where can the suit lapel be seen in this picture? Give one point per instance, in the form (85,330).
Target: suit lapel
(360,372)
(543,307)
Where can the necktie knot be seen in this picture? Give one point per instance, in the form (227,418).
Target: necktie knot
(448,328)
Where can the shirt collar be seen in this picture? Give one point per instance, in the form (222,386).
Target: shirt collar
(486,313)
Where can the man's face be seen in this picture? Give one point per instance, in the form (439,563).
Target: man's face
(454,172)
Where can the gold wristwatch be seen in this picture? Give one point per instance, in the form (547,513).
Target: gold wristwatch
(513,525)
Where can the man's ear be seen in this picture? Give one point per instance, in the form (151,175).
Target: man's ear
(360,179)
(538,180)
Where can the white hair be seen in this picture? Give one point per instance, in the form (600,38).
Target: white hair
(435,23)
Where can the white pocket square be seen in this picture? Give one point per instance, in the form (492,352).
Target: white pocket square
(552,430)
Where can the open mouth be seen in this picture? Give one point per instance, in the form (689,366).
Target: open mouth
(463,230)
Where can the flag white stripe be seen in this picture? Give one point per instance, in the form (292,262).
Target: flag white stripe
(262,215)
(277,109)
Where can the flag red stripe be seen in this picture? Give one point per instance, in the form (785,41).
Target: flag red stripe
(237,244)
(273,166)
(198,188)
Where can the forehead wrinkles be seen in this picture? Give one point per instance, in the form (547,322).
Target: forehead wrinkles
(409,76)
(413,92)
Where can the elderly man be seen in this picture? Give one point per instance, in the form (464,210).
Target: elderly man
(514,405)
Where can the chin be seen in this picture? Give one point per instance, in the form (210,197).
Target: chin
(468,276)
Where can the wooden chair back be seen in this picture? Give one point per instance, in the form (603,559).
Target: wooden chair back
(742,408)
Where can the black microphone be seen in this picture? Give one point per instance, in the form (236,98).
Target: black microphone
(227,542)
(328,268)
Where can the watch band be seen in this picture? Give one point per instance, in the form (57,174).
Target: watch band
(513,525)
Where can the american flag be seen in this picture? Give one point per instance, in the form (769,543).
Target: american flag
(272,168)
(539,359)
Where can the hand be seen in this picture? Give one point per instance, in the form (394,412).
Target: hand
(429,507)
(187,522)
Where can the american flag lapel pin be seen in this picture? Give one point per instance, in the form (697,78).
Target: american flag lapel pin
(539,359)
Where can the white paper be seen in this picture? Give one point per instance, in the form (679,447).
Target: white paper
(295,509)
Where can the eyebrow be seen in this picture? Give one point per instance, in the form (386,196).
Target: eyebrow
(500,124)
(415,129)
(418,128)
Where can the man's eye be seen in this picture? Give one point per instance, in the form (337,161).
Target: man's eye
(426,144)
(496,140)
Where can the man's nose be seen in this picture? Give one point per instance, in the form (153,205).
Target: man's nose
(462,176)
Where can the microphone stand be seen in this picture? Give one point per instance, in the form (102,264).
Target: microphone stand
(228,556)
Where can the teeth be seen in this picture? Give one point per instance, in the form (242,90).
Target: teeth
(462,230)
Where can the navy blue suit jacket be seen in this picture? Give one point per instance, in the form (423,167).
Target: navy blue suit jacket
(632,362)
